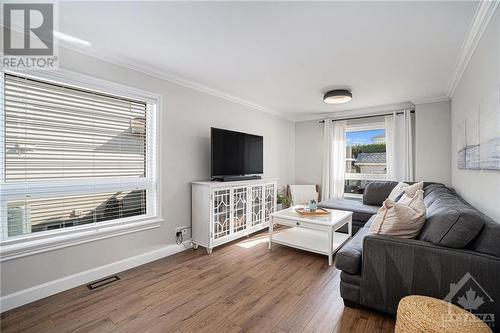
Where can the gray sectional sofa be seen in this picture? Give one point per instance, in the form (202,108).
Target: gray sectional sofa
(458,245)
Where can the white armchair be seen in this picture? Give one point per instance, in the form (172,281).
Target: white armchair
(302,194)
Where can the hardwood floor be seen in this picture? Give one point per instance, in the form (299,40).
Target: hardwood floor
(241,287)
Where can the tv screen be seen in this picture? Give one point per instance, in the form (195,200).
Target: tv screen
(235,153)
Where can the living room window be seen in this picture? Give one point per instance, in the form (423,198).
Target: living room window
(366,156)
(73,158)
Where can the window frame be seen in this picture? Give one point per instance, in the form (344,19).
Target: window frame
(363,176)
(33,243)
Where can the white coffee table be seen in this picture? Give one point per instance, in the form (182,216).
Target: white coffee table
(314,234)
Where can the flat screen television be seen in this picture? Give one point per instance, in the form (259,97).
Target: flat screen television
(235,154)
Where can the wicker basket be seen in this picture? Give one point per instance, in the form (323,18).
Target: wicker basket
(430,315)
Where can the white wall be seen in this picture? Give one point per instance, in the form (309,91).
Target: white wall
(308,152)
(433,142)
(187,116)
(480,79)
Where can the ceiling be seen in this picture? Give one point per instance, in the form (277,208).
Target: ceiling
(282,56)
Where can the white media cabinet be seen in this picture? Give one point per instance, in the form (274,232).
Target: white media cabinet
(224,211)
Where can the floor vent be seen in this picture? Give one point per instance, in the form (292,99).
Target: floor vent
(102,282)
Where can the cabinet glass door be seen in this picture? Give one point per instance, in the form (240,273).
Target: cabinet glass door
(239,209)
(222,213)
(257,206)
(269,199)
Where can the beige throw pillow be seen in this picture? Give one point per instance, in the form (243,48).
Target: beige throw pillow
(397,191)
(402,219)
(410,190)
(403,187)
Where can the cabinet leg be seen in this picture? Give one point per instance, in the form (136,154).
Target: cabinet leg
(195,246)
(330,259)
(209,250)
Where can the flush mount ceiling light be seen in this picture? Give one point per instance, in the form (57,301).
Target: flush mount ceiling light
(338,96)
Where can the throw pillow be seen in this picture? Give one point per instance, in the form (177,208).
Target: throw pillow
(410,190)
(399,196)
(402,219)
(377,191)
(397,191)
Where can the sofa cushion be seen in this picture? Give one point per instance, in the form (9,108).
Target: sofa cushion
(356,225)
(354,279)
(368,223)
(377,191)
(360,212)
(488,240)
(451,222)
(348,258)
(429,188)
(435,191)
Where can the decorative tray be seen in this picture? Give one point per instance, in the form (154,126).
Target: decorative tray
(307,212)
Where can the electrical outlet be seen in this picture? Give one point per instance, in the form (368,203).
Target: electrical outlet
(182,230)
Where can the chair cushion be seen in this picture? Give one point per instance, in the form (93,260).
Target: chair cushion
(450,222)
(360,212)
(348,258)
(302,194)
(377,191)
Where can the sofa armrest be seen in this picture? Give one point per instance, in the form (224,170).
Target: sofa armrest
(394,267)
(348,258)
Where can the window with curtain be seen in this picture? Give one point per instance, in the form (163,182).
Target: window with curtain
(72,157)
(366,156)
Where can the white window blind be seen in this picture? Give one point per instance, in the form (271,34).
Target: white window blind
(73,156)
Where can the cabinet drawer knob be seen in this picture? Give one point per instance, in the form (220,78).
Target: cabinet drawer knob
(298,223)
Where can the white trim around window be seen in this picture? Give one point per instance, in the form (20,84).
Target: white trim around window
(43,241)
(365,176)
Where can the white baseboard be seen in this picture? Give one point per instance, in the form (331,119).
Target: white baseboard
(43,290)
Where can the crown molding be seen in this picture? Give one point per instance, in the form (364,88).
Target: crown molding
(482,17)
(368,111)
(435,99)
(160,74)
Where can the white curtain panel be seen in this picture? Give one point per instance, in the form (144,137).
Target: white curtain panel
(327,159)
(400,146)
(389,146)
(333,160)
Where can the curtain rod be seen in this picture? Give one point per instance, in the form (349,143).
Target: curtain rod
(371,116)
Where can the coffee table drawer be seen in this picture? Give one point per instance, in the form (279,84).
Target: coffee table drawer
(300,224)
